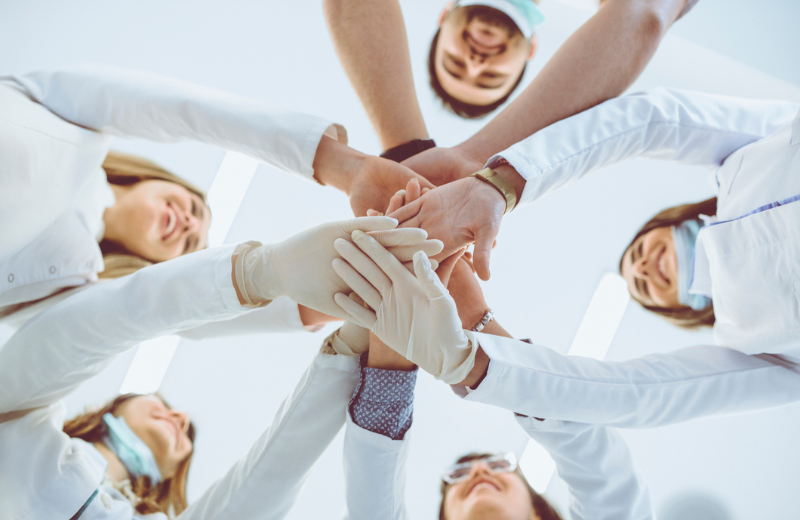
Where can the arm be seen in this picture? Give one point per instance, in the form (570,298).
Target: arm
(136,104)
(645,392)
(375,450)
(65,345)
(370,39)
(598,468)
(682,126)
(275,468)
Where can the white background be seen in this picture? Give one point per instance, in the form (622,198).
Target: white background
(547,264)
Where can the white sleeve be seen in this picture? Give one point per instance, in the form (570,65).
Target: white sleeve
(645,392)
(597,466)
(374,474)
(684,126)
(265,483)
(137,104)
(280,316)
(65,345)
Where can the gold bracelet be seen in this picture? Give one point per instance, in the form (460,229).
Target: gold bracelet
(489,176)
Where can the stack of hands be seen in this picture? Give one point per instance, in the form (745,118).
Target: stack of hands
(408,307)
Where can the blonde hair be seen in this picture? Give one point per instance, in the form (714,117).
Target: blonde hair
(168,496)
(682,316)
(127,170)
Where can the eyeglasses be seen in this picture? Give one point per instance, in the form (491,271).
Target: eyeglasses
(496,464)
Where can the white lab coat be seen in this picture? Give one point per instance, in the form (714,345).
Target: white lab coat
(45,475)
(753,144)
(594,461)
(55,130)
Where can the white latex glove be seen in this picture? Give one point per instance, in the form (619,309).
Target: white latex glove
(300,267)
(415,316)
(350,339)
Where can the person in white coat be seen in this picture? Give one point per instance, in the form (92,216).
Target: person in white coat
(47,474)
(593,460)
(68,206)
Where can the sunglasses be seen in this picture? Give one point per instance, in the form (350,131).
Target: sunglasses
(496,464)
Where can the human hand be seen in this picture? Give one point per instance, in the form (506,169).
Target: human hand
(300,267)
(458,214)
(443,165)
(466,292)
(377,181)
(415,316)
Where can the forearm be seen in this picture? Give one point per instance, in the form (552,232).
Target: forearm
(336,164)
(370,39)
(135,104)
(607,53)
(646,392)
(75,339)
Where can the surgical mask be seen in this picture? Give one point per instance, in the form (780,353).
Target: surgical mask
(525,14)
(134,454)
(684,236)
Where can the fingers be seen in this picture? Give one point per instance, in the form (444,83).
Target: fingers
(373,213)
(367,224)
(408,211)
(385,260)
(410,266)
(406,253)
(361,265)
(427,277)
(483,250)
(412,191)
(357,283)
(355,312)
(399,237)
(396,202)
(447,266)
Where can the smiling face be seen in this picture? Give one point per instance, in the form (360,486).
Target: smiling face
(157,220)
(480,54)
(488,495)
(165,431)
(651,269)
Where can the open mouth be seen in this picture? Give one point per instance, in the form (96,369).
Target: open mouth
(170,223)
(660,266)
(483,484)
(483,47)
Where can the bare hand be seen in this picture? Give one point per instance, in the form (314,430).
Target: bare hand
(458,214)
(377,181)
(443,165)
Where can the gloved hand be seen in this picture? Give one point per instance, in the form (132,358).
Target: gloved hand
(415,316)
(300,267)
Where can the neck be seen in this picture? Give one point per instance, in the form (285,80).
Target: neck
(116,470)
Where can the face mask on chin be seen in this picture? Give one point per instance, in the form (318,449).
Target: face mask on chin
(134,454)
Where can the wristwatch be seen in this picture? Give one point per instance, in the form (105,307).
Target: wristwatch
(402,152)
(489,176)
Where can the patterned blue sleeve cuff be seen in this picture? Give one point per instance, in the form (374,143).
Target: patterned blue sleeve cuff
(383,401)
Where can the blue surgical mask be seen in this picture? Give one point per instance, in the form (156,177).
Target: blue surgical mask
(684,237)
(134,454)
(525,14)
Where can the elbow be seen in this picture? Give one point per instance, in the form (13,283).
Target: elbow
(651,24)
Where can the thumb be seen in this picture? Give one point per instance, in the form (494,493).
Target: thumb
(427,277)
(484,239)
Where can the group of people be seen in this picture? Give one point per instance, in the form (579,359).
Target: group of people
(100,251)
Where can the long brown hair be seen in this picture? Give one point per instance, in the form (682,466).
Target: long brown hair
(682,316)
(127,170)
(541,506)
(168,496)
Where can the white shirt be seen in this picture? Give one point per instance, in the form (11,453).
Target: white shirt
(594,461)
(752,144)
(54,136)
(45,475)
